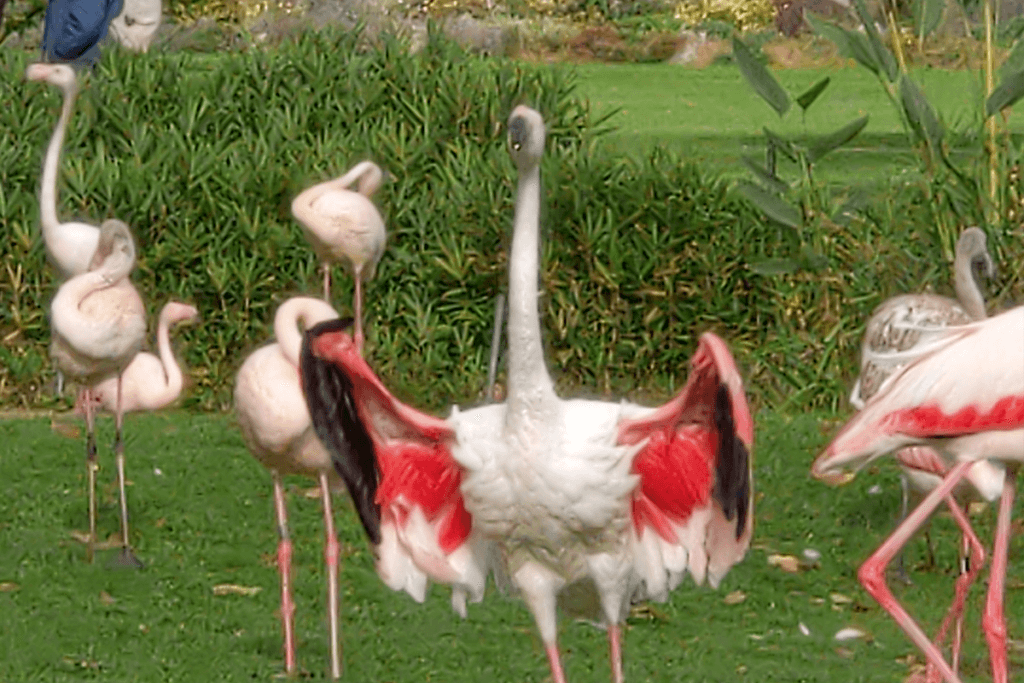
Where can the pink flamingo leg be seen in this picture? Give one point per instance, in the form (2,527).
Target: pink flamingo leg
(872,572)
(90,466)
(326,267)
(615,652)
(555,662)
(331,551)
(993,622)
(974,559)
(127,557)
(358,298)
(284,566)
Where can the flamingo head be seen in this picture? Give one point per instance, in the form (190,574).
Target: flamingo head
(973,246)
(60,75)
(115,250)
(526,136)
(177,312)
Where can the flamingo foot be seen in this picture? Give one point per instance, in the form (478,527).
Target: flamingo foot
(125,559)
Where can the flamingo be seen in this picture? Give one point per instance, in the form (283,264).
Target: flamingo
(562,499)
(898,324)
(70,246)
(98,325)
(276,426)
(961,393)
(343,225)
(149,382)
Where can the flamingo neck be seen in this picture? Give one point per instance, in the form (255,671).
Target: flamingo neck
(530,389)
(967,289)
(51,162)
(286,323)
(172,372)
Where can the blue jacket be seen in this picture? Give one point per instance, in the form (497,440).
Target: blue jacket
(73,29)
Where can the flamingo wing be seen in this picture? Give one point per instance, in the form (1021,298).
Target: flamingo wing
(967,381)
(398,465)
(693,507)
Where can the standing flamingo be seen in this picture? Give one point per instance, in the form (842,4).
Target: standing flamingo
(897,325)
(149,382)
(70,246)
(276,426)
(98,324)
(573,502)
(962,393)
(345,226)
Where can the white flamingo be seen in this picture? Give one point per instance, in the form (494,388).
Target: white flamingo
(276,426)
(345,226)
(961,393)
(580,504)
(70,246)
(98,323)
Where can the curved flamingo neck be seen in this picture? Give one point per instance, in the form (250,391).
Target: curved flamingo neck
(286,323)
(967,289)
(367,173)
(51,162)
(530,389)
(172,371)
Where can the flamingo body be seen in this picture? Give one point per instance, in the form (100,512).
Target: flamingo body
(573,503)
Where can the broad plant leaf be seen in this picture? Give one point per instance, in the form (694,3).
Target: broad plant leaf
(825,144)
(775,266)
(882,54)
(1006,94)
(772,206)
(781,144)
(759,78)
(927,15)
(1014,61)
(806,99)
(920,113)
(772,181)
(852,44)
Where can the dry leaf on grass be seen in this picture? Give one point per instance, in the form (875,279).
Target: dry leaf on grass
(850,633)
(235,589)
(106,598)
(787,563)
(8,587)
(735,598)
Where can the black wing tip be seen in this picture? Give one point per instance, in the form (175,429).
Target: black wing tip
(332,408)
(732,470)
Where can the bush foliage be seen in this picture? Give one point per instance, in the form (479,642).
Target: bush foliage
(203,155)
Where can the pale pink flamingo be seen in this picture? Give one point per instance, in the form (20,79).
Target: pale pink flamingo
(98,323)
(899,324)
(70,246)
(149,382)
(276,426)
(961,393)
(570,502)
(343,225)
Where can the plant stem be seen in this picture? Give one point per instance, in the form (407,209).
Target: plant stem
(990,123)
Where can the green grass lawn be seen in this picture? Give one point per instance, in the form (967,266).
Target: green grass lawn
(202,516)
(714,116)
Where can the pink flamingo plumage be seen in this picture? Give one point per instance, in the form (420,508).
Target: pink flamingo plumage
(344,225)
(569,502)
(276,426)
(961,393)
(98,325)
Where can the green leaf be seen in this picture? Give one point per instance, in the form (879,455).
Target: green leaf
(807,98)
(781,144)
(920,113)
(1014,61)
(770,179)
(775,266)
(772,206)
(1006,94)
(759,78)
(825,144)
(852,44)
(882,55)
(927,15)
